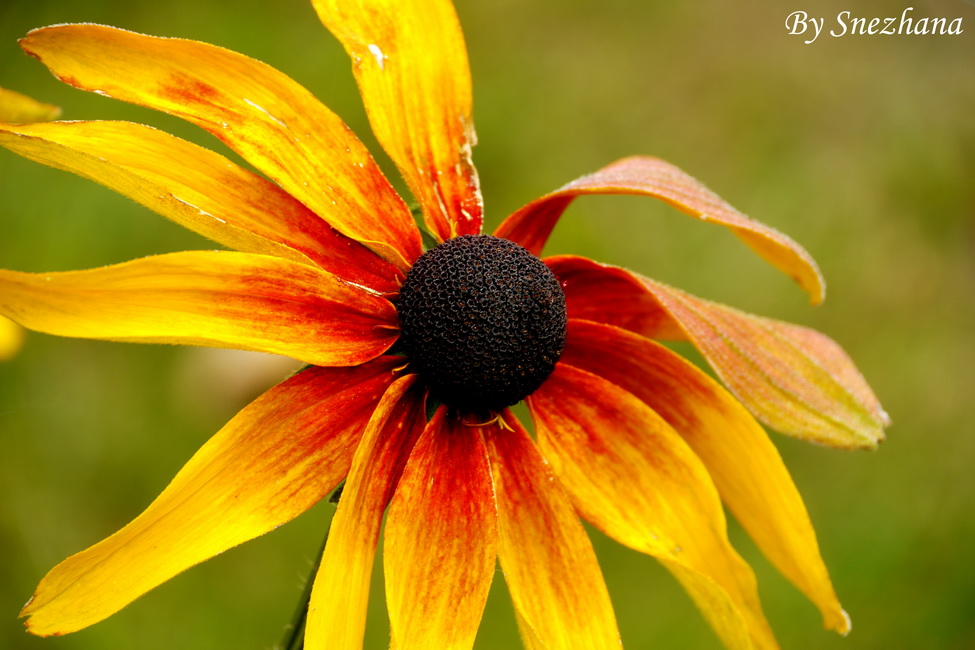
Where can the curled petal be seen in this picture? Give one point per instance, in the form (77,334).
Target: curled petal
(441,539)
(747,470)
(18,108)
(198,189)
(531,225)
(270,120)
(411,64)
(547,559)
(792,378)
(270,463)
(211,298)
(337,611)
(634,478)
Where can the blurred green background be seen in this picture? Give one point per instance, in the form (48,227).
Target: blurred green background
(861,148)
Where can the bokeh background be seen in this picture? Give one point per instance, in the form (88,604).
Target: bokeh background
(862,148)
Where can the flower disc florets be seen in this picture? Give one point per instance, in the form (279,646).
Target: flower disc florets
(483,322)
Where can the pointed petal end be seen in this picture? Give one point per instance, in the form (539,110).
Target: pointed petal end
(839,623)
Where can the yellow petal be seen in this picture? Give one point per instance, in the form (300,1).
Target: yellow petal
(337,611)
(11,338)
(270,120)
(548,562)
(411,64)
(198,189)
(15,107)
(792,378)
(531,225)
(270,463)
(747,469)
(441,539)
(634,478)
(211,298)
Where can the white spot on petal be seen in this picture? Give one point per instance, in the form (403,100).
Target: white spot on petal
(377,54)
(265,111)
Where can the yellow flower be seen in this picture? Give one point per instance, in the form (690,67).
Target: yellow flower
(330,270)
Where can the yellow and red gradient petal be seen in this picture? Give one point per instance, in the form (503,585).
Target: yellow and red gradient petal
(18,108)
(269,119)
(210,298)
(531,225)
(547,559)
(441,539)
(271,462)
(200,190)
(337,611)
(744,464)
(633,477)
(792,378)
(410,61)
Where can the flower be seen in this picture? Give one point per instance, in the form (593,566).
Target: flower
(329,268)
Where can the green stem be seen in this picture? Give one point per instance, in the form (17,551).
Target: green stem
(294,638)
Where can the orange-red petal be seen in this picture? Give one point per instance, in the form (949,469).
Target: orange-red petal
(548,562)
(269,119)
(270,463)
(18,108)
(201,190)
(411,64)
(634,478)
(794,379)
(441,539)
(611,295)
(531,225)
(212,298)
(747,469)
(337,611)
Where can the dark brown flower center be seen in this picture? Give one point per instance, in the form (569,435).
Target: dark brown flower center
(483,322)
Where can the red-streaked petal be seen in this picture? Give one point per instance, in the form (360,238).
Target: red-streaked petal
(441,539)
(211,298)
(200,190)
(792,378)
(641,175)
(411,64)
(547,559)
(747,469)
(270,120)
(635,479)
(611,295)
(337,612)
(15,107)
(270,463)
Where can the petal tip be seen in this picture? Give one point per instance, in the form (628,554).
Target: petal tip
(24,44)
(845,626)
(884,417)
(817,294)
(26,609)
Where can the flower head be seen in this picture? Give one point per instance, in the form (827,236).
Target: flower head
(415,356)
